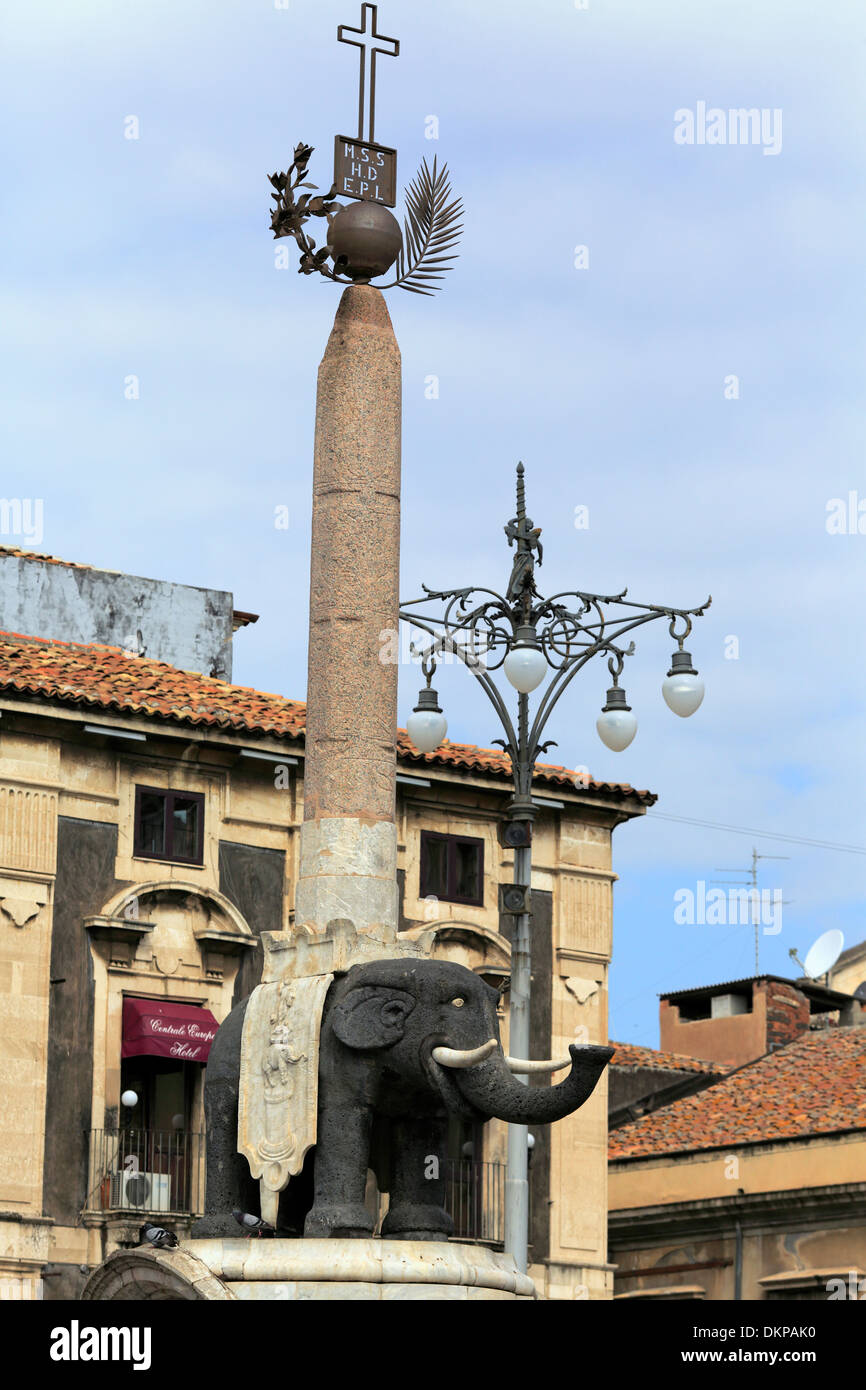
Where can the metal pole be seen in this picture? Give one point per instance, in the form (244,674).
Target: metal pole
(516,1173)
(568,640)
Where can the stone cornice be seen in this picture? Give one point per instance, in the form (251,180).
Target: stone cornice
(606,808)
(835,1205)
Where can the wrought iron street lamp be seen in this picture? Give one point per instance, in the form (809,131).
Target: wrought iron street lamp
(530,637)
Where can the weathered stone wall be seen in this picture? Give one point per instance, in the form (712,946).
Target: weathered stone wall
(185,626)
(254,880)
(86,854)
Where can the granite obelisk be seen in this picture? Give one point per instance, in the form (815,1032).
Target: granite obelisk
(348,837)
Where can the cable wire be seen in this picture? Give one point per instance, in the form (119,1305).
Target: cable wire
(763,834)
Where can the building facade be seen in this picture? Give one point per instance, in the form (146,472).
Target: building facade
(149,821)
(749,1182)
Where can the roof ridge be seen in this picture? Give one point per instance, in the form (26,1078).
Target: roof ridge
(674,1061)
(83,674)
(150,661)
(797,1097)
(52,559)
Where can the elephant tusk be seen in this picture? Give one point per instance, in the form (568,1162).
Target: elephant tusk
(517,1064)
(453,1057)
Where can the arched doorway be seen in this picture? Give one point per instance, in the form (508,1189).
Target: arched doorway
(165,956)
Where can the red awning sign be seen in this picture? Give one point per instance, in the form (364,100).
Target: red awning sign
(159,1028)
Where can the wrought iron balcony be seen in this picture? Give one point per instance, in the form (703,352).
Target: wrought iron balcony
(146,1170)
(161,1172)
(475,1200)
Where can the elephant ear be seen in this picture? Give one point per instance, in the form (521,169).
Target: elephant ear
(372,1016)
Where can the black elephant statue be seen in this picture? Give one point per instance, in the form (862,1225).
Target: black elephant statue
(404,1044)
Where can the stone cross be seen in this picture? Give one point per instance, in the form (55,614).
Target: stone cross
(368,46)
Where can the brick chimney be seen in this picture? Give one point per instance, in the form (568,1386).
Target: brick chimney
(735,1022)
(786,1013)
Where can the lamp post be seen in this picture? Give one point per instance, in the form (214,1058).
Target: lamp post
(530,637)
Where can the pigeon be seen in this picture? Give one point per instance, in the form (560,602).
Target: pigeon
(158,1236)
(252,1224)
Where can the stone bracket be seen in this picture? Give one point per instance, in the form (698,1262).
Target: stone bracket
(121,935)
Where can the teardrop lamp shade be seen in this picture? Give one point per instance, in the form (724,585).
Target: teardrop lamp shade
(616,728)
(525,667)
(683,693)
(426,729)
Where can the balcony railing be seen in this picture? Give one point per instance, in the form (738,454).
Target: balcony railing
(157,1172)
(146,1170)
(475,1200)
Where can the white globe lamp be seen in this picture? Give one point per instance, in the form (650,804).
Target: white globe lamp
(683,690)
(616,724)
(525,665)
(427,725)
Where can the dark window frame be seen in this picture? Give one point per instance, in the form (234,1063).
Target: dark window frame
(451,841)
(169,798)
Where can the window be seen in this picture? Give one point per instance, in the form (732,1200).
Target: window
(169,825)
(452,868)
(163,1088)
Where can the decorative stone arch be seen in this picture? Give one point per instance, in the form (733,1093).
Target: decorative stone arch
(481,950)
(122,903)
(156,1275)
(207,934)
(164,939)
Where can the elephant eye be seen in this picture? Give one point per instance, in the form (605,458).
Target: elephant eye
(458,1002)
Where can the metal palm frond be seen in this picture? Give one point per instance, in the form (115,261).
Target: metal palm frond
(431,227)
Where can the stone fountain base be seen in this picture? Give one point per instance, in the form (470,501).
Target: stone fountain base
(297,1270)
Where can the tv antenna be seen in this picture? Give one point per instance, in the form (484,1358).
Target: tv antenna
(751,882)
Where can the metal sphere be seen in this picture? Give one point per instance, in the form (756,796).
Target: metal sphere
(368,236)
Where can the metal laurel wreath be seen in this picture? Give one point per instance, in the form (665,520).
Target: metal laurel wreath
(289,216)
(431,227)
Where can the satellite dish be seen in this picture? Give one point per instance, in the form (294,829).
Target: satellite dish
(823,953)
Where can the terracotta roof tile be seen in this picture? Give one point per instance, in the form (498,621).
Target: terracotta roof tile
(816,1085)
(630,1055)
(35,555)
(99,677)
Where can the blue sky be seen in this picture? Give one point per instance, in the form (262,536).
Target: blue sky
(152,257)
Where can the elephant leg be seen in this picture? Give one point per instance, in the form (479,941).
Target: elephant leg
(228,1181)
(417,1206)
(342,1149)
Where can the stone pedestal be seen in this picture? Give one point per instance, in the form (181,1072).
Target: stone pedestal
(264,1270)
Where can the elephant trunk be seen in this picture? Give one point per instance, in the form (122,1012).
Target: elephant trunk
(491,1088)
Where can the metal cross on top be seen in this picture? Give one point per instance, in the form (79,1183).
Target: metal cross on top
(367,42)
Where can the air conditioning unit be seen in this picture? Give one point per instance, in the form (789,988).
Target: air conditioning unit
(141,1191)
